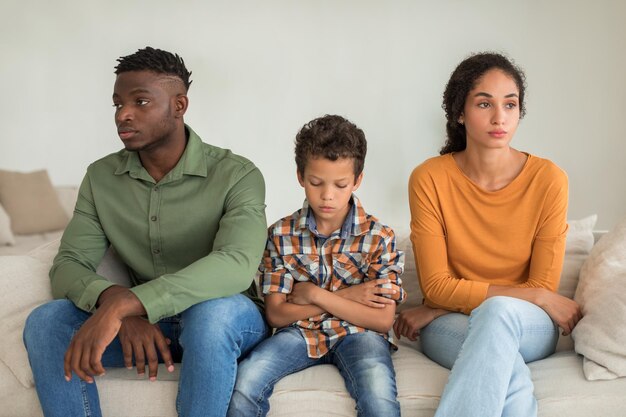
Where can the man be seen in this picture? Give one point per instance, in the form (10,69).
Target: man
(188,220)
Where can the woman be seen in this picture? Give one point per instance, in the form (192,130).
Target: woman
(488,227)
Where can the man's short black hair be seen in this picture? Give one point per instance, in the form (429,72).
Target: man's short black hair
(331,137)
(156,60)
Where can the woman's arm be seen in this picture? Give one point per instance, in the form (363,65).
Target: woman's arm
(562,310)
(428,234)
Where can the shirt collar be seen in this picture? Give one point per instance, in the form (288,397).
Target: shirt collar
(355,223)
(192,162)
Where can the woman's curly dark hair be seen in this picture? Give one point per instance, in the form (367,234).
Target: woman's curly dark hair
(331,137)
(462,81)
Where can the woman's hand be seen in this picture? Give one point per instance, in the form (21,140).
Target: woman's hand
(563,311)
(370,293)
(409,322)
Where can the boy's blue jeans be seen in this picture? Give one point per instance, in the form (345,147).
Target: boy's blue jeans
(487,353)
(211,336)
(363,359)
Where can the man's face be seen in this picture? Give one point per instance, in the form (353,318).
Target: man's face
(145,109)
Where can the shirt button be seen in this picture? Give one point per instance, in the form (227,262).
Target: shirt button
(153,218)
(156,251)
(156,188)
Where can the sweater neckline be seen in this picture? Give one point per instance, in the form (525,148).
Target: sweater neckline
(510,186)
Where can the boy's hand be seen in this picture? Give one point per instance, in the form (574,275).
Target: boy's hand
(370,293)
(302,293)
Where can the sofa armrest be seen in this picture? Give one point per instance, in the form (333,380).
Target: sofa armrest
(24,285)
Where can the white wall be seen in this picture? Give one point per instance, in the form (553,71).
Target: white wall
(262,69)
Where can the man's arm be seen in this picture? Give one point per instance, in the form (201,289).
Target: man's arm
(83,246)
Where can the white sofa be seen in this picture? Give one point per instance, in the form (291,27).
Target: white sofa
(560,385)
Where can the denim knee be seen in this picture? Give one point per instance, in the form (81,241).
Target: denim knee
(220,321)
(45,322)
(499,307)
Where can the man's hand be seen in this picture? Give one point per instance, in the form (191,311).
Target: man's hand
(84,355)
(370,293)
(141,339)
(409,322)
(85,352)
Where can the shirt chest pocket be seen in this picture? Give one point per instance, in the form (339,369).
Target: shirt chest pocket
(351,267)
(302,267)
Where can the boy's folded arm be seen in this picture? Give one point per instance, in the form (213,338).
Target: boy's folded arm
(280,313)
(372,318)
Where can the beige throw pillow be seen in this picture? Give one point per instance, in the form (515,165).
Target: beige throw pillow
(31,202)
(6,236)
(577,247)
(601,334)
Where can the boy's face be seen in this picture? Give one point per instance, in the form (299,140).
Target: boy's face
(328,186)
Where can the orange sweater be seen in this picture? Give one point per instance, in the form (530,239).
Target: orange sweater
(465,238)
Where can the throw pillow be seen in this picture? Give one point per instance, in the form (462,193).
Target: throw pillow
(601,334)
(24,285)
(6,236)
(31,202)
(577,247)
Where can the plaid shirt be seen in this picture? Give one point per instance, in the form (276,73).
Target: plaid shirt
(362,250)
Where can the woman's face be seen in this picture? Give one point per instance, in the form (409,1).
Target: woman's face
(491,113)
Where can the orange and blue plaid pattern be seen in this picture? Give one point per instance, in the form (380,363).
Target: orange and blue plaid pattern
(362,250)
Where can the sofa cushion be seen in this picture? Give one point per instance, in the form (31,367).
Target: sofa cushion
(601,334)
(31,202)
(24,285)
(6,235)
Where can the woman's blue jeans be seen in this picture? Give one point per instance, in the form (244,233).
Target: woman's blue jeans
(211,336)
(363,359)
(487,353)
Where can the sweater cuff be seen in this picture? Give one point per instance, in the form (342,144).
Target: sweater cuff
(477,294)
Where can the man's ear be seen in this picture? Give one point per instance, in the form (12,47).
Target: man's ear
(357,182)
(181,103)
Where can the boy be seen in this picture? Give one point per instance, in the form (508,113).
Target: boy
(313,261)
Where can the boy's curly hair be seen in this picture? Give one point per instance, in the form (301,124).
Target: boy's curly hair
(462,81)
(155,60)
(331,137)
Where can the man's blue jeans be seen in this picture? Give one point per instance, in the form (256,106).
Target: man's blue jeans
(363,359)
(487,353)
(211,336)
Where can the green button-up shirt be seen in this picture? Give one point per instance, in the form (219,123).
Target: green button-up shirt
(197,234)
